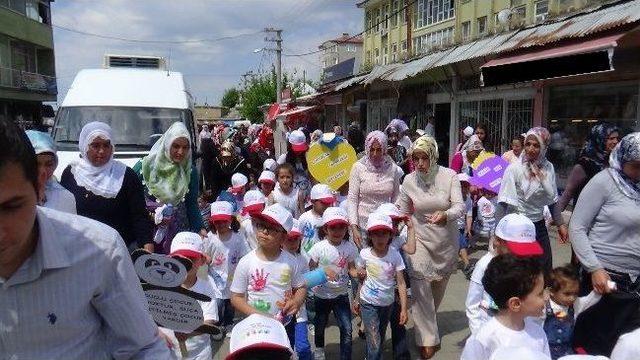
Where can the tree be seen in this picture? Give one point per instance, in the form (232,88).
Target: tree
(260,90)
(230,98)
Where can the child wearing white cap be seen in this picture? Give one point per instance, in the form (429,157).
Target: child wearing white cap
(515,234)
(224,246)
(297,146)
(267,182)
(285,192)
(259,337)
(310,222)
(191,246)
(268,280)
(384,269)
(337,251)
(269,164)
(254,202)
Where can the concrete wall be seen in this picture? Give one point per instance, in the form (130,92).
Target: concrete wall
(20,27)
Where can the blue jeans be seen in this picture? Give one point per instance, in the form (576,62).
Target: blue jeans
(302,346)
(398,333)
(342,312)
(375,320)
(226,312)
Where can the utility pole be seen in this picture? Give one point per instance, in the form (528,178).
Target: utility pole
(278,50)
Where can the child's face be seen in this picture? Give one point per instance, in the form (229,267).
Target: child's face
(269,236)
(533,304)
(222,226)
(465,187)
(266,187)
(567,294)
(319,207)
(285,179)
(292,244)
(380,239)
(336,232)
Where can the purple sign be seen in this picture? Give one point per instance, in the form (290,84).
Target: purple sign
(489,174)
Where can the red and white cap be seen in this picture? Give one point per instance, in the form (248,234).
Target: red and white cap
(276,214)
(519,234)
(334,216)
(323,193)
(238,182)
(462,177)
(257,332)
(267,176)
(254,201)
(379,221)
(295,230)
(221,211)
(187,244)
(391,210)
(298,141)
(269,164)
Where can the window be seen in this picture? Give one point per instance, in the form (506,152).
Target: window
(520,13)
(404,45)
(335,61)
(541,10)
(377,56)
(428,42)
(376,27)
(433,11)
(385,15)
(482,25)
(394,52)
(394,15)
(466,30)
(368,22)
(369,56)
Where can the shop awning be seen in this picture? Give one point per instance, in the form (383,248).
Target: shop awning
(585,57)
(296,111)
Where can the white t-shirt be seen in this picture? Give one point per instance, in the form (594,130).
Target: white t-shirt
(493,335)
(475,308)
(59,198)
(225,256)
(199,346)
(468,211)
(266,282)
(309,223)
(290,201)
(627,347)
(378,288)
(249,234)
(325,253)
(487,212)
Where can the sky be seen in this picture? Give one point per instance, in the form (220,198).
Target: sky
(209,66)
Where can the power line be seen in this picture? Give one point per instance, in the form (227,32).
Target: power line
(356,35)
(109,37)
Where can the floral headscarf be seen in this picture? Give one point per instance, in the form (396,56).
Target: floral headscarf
(386,161)
(166,180)
(627,150)
(594,150)
(539,171)
(428,145)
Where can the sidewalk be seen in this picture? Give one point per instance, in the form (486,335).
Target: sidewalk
(451,318)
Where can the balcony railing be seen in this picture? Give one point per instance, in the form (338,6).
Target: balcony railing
(28,81)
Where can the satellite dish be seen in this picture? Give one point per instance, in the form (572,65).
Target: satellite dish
(504,16)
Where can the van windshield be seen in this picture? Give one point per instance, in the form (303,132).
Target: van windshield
(134,128)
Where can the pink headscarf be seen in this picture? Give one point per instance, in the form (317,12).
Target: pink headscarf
(379,165)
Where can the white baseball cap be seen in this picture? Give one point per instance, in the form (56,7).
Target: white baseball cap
(276,214)
(519,234)
(268,177)
(221,211)
(468,131)
(323,193)
(379,221)
(238,181)
(463,177)
(390,210)
(298,141)
(253,201)
(187,244)
(334,216)
(295,229)
(258,332)
(269,164)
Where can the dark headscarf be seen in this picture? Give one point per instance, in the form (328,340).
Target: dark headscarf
(594,153)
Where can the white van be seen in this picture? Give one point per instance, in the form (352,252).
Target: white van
(134,95)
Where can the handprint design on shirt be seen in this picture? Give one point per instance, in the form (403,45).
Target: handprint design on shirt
(261,305)
(308,232)
(258,280)
(342,261)
(218,259)
(388,269)
(285,276)
(374,270)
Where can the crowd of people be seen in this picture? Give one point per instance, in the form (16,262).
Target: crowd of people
(259,228)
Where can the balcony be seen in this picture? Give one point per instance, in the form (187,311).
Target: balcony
(27,81)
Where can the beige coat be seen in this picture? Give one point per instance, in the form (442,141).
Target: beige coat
(436,245)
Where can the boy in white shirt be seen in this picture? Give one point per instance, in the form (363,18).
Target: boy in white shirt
(487,213)
(515,234)
(254,203)
(516,285)
(191,246)
(268,279)
(311,221)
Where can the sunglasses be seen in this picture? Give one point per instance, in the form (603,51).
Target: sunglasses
(267,228)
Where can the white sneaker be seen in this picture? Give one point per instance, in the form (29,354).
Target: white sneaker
(318,354)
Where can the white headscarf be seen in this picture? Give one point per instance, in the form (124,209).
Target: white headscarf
(537,172)
(105,180)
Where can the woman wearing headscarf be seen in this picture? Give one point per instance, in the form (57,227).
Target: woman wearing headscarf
(605,235)
(106,190)
(593,159)
(223,166)
(462,160)
(169,177)
(54,195)
(529,185)
(374,179)
(432,197)
(397,152)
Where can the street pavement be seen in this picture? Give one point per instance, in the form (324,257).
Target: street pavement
(451,317)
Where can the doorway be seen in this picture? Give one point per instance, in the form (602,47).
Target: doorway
(442,115)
